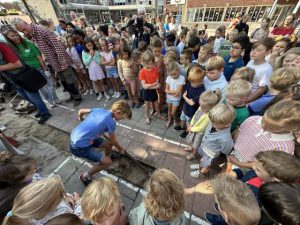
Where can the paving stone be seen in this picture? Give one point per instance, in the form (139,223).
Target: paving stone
(127,189)
(137,149)
(203,203)
(138,200)
(128,204)
(137,136)
(152,141)
(124,141)
(154,157)
(69,169)
(169,147)
(74,184)
(157,131)
(159,124)
(175,164)
(122,131)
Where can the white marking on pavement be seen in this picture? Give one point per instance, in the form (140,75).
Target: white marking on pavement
(62,164)
(65,107)
(129,185)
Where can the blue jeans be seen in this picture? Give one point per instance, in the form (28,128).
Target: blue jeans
(35,99)
(48,91)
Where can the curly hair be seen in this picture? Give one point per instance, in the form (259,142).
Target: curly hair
(165,198)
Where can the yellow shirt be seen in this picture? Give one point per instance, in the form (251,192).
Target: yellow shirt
(201,124)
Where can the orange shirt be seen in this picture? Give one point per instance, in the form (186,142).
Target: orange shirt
(149,77)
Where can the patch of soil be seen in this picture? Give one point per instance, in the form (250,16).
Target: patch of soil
(21,127)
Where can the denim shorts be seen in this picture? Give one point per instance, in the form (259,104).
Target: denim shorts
(112,72)
(173,102)
(184,117)
(89,152)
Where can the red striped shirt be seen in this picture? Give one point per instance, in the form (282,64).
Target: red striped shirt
(252,139)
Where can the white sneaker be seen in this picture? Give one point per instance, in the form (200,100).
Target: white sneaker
(99,97)
(195,174)
(195,166)
(86,92)
(117,94)
(106,96)
(114,95)
(51,105)
(57,101)
(91,92)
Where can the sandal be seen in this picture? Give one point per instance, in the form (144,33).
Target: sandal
(190,157)
(148,121)
(188,149)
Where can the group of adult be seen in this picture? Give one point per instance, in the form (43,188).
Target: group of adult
(286,29)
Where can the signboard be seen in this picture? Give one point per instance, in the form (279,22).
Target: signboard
(177,2)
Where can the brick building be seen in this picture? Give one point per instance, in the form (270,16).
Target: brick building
(216,12)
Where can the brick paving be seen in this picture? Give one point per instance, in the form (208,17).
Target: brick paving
(151,144)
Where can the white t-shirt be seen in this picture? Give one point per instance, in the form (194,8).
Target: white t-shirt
(108,56)
(174,84)
(262,74)
(217,44)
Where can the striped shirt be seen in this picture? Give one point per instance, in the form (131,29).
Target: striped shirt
(252,139)
(51,47)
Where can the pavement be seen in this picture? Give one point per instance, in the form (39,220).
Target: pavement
(151,144)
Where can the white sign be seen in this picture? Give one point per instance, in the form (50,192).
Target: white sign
(177,2)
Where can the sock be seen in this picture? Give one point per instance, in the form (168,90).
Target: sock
(87,175)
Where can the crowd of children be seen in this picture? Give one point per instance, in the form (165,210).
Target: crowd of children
(237,100)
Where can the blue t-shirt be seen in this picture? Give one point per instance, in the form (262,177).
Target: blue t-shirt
(258,106)
(79,48)
(230,67)
(194,94)
(98,122)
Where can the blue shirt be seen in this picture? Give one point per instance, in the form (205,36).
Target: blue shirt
(79,48)
(98,122)
(230,67)
(194,94)
(212,85)
(258,106)
(180,47)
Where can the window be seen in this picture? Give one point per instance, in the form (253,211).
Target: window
(231,12)
(213,14)
(257,13)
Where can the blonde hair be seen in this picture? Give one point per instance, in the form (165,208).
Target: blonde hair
(208,48)
(286,114)
(148,57)
(283,78)
(165,198)
(236,199)
(234,31)
(100,197)
(215,63)
(169,57)
(222,114)
(172,49)
(123,107)
(36,200)
(173,66)
(245,73)
(279,60)
(211,98)
(239,88)
(196,74)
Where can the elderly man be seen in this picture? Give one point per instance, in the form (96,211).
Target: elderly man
(55,53)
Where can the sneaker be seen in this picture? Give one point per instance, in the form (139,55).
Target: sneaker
(114,95)
(178,128)
(184,134)
(91,92)
(85,180)
(114,155)
(117,94)
(195,166)
(51,105)
(106,96)
(38,115)
(214,219)
(57,101)
(44,118)
(99,97)
(86,92)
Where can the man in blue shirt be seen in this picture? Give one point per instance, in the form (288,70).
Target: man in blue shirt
(86,137)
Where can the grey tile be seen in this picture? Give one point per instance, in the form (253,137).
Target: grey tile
(69,169)
(127,189)
(128,204)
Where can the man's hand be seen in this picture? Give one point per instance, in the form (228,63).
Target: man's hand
(82,112)
(233,159)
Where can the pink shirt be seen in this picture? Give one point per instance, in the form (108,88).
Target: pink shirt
(252,139)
